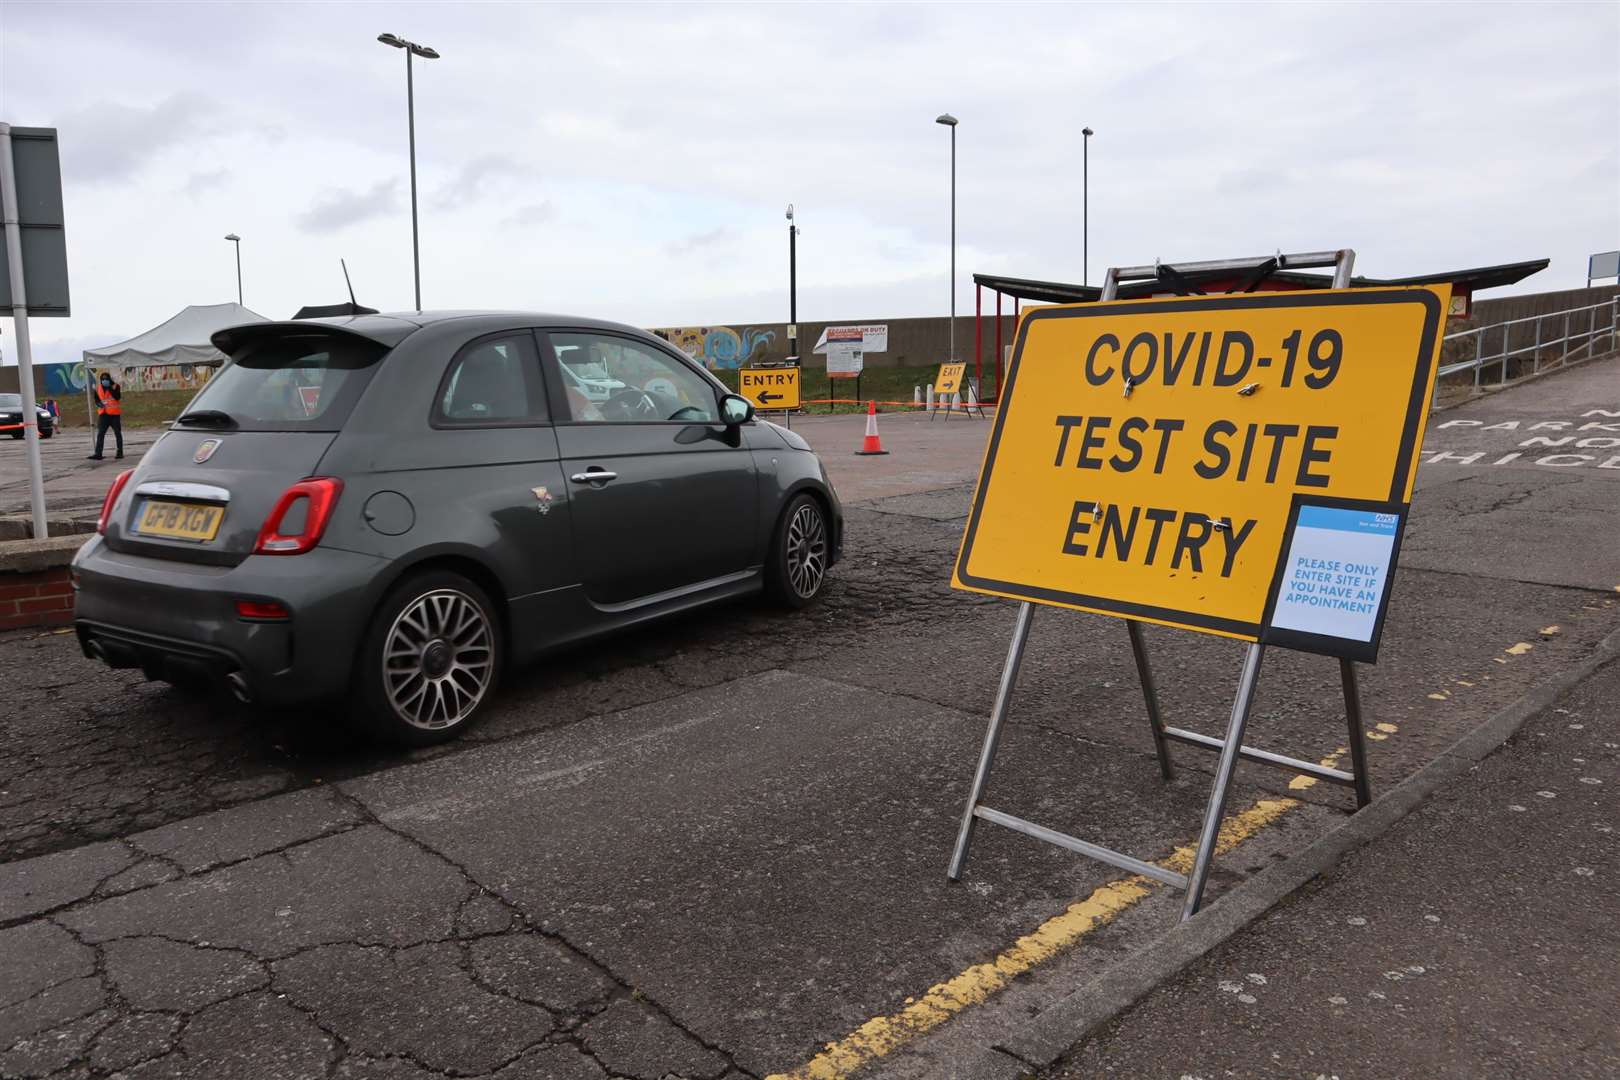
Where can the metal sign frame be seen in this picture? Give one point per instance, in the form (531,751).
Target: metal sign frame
(1230,748)
(32,212)
(948,403)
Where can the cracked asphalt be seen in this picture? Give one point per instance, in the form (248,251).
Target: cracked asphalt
(711,847)
(1484,921)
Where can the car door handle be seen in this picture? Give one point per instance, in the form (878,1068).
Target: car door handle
(594,476)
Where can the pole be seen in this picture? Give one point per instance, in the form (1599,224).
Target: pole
(978,332)
(953,243)
(238,273)
(1085,208)
(793,289)
(410,107)
(1210,834)
(1358,741)
(19,318)
(998,347)
(998,716)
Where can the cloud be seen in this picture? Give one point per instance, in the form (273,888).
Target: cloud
(203,182)
(532,214)
(62,351)
(338,208)
(698,241)
(590,182)
(107,141)
(476,180)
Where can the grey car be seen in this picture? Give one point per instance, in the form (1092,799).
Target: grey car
(391,508)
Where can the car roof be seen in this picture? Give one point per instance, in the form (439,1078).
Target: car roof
(391,328)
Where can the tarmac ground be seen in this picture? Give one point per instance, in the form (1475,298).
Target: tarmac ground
(716,847)
(1476,938)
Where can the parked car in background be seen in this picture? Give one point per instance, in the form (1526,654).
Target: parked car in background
(392,508)
(11,414)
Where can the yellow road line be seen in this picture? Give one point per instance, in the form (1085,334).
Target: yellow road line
(880,1035)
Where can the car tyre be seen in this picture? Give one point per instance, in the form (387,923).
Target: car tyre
(46,433)
(430,661)
(801,550)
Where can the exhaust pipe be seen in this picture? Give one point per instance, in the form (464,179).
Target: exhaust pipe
(239,687)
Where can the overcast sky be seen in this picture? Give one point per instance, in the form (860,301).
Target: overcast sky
(633,162)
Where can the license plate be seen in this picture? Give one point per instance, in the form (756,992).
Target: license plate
(180,521)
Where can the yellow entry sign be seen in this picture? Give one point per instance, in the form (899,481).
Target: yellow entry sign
(1148,453)
(950,378)
(770,388)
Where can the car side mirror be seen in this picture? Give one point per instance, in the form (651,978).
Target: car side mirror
(735,410)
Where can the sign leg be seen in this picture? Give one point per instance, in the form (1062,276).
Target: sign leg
(1150,695)
(1358,734)
(998,715)
(1223,779)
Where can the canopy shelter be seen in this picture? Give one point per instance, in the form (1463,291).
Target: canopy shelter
(183,339)
(1270,276)
(174,355)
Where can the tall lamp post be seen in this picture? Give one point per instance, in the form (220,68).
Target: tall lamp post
(950,121)
(793,287)
(237,240)
(1085,207)
(412,49)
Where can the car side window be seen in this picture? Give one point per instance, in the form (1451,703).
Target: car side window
(491,382)
(611,379)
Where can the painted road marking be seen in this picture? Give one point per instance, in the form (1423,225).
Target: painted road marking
(1590,441)
(882,1034)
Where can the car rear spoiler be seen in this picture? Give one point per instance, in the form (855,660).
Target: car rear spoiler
(381,329)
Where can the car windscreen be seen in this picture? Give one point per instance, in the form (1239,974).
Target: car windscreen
(10,401)
(288,382)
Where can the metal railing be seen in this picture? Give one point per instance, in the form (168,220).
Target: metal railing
(1515,338)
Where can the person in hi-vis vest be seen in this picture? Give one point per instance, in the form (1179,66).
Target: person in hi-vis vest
(109,414)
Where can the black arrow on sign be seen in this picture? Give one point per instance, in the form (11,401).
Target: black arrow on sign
(766,395)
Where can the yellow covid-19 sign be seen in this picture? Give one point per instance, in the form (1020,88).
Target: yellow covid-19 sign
(1148,454)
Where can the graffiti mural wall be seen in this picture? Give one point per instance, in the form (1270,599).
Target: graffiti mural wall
(50,380)
(718,346)
(167,377)
(59,380)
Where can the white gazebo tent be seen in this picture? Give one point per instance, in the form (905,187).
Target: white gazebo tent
(183,339)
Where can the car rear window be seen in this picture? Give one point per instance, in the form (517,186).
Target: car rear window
(292,382)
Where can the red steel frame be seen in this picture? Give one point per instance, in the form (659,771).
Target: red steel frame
(978,340)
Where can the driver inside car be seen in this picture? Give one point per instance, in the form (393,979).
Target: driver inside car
(643,387)
(582,407)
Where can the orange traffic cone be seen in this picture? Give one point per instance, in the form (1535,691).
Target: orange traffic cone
(871,444)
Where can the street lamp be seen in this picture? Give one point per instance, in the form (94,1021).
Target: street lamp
(950,121)
(793,287)
(237,240)
(412,49)
(1085,207)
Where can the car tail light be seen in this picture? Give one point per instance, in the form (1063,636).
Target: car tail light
(261,610)
(320,495)
(112,496)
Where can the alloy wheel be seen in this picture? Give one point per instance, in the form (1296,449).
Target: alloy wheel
(806,550)
(438,660)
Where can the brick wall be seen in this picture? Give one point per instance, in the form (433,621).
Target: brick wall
(38,598)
